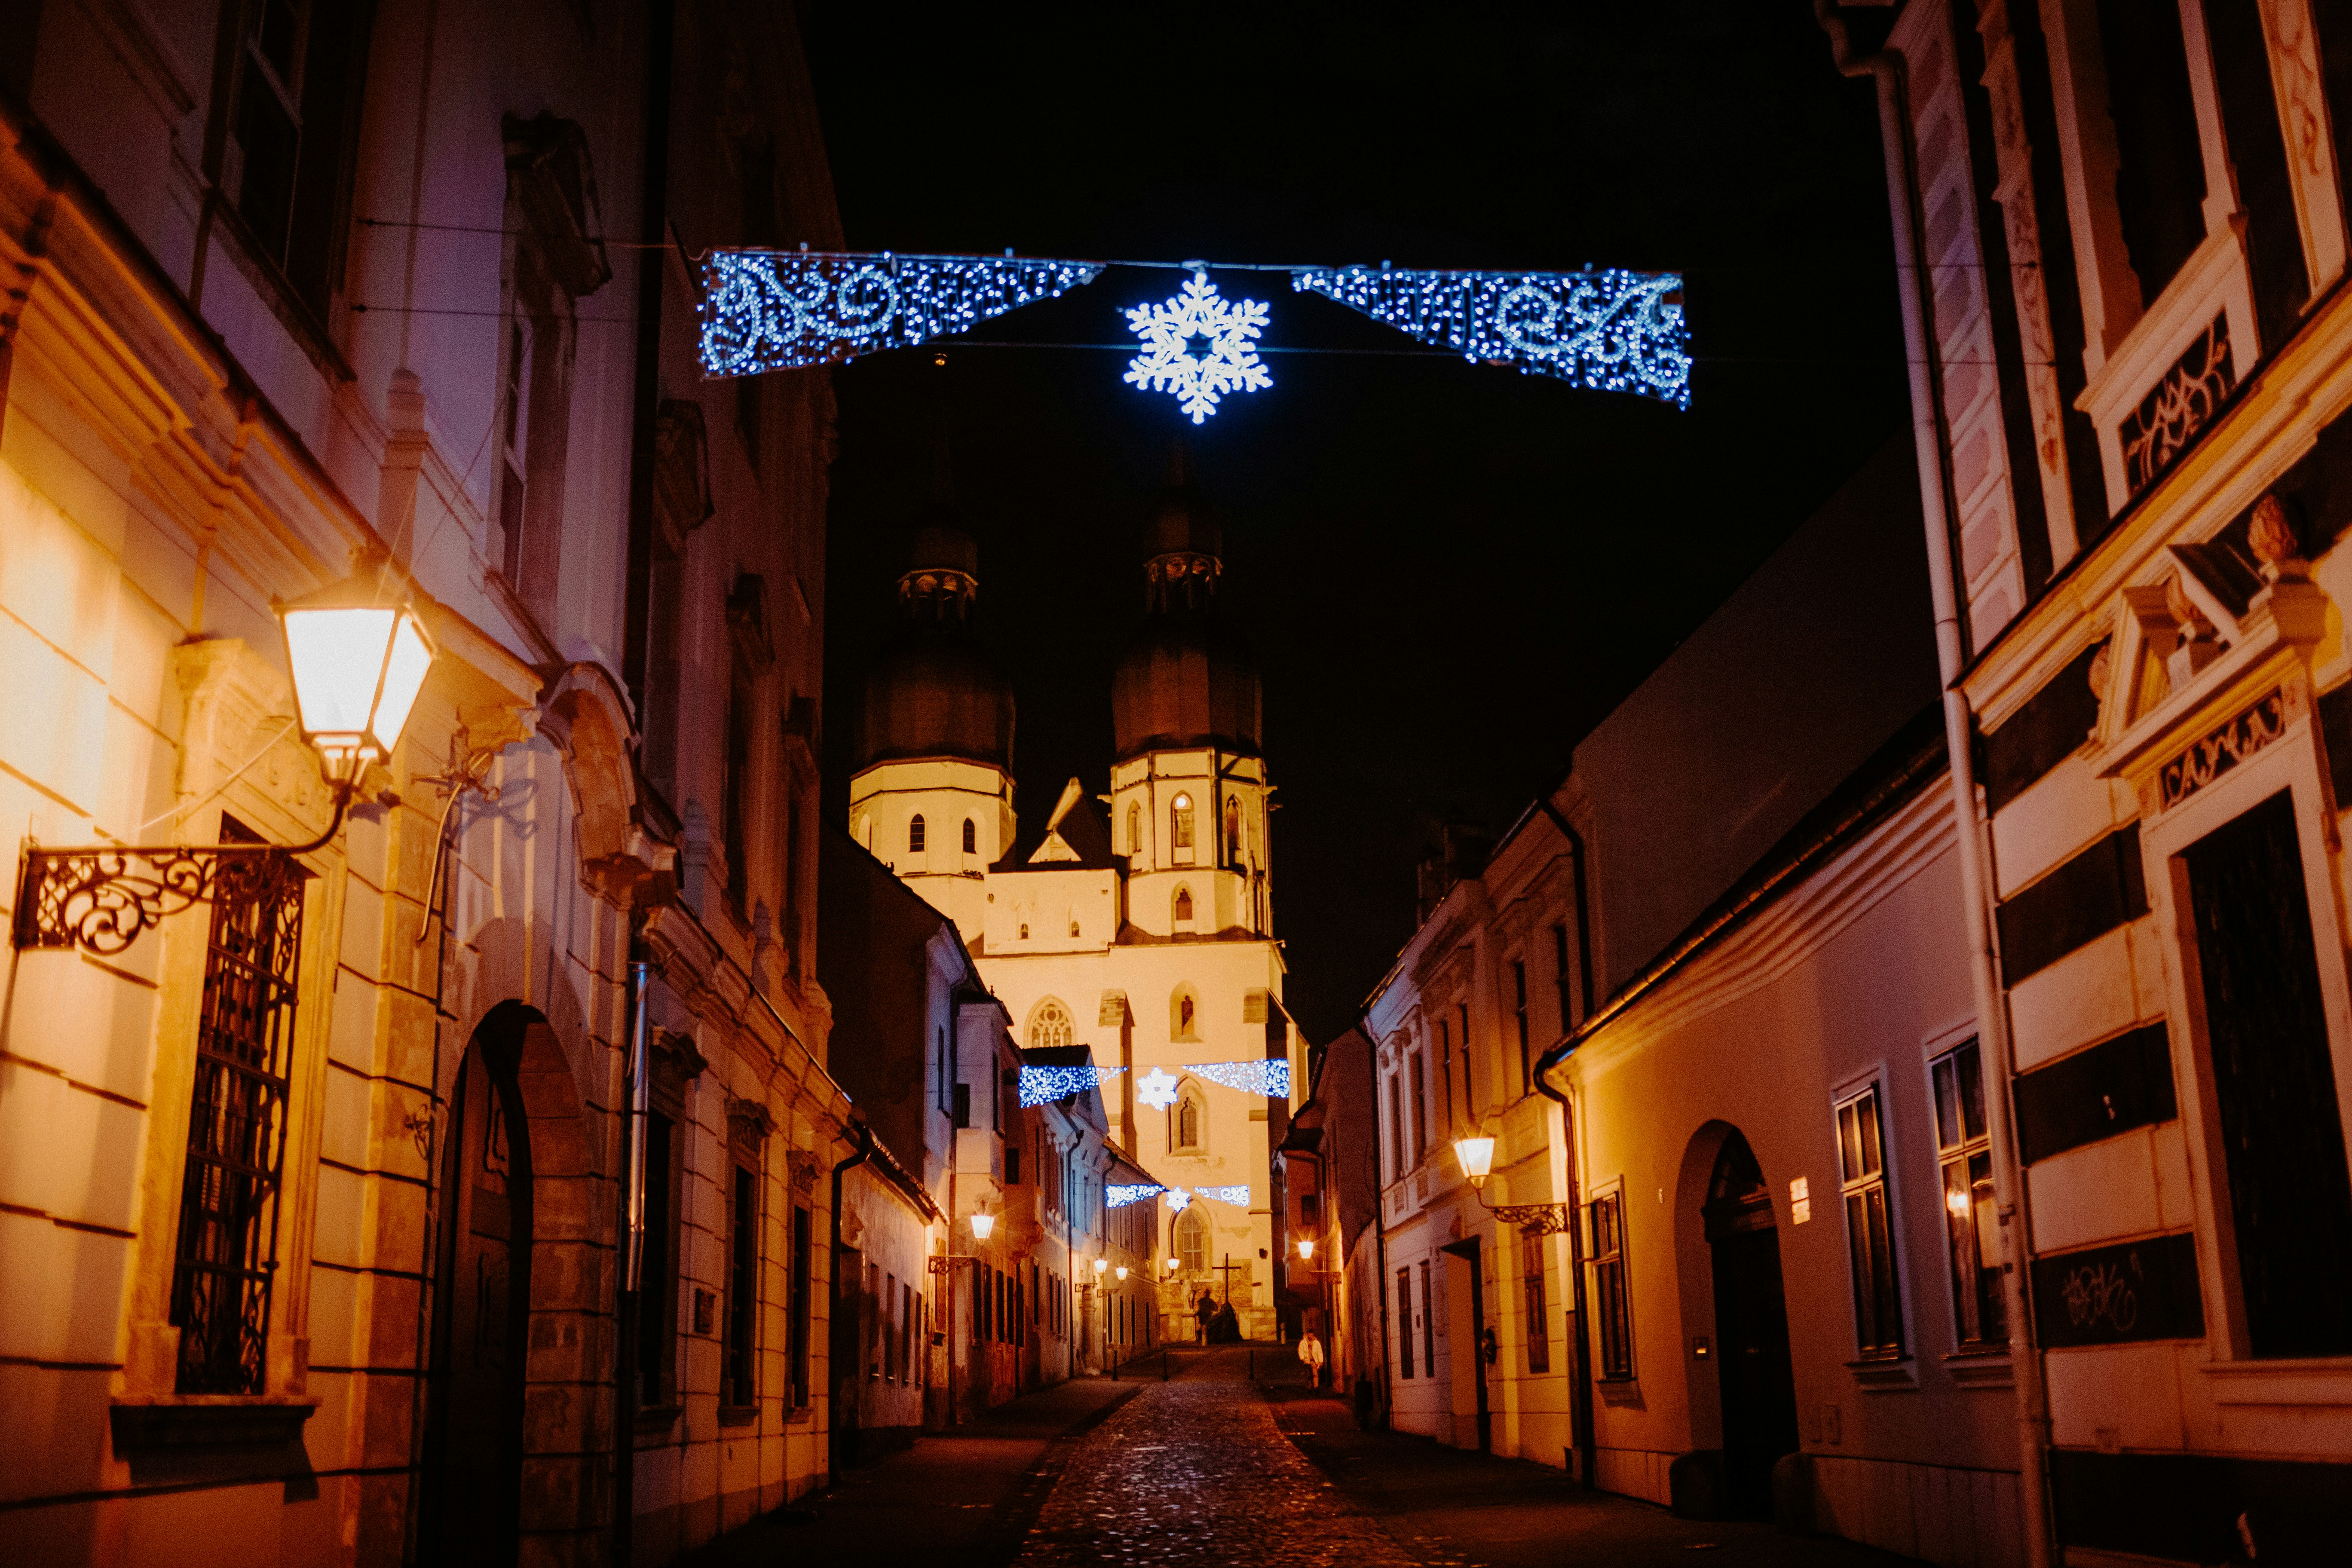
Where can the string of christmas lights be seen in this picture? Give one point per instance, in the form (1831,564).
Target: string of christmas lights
(1607,329)
(1270,1077)
(1118,1195)
(1237,1194)
(1042,1086)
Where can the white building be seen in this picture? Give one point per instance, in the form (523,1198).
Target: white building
(1149,938)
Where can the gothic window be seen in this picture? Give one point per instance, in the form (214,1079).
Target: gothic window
(1861,1164)
(1188,1122)
(914,834)
(227,1251)
(1180,823)
(970,836)
(1134,827)
(1184,906)
(1964,1150)
(1050,1025)
(1192,1240)
(1233,830)
(1074,924)
(1182,1014)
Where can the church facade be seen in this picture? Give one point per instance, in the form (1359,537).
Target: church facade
(1138,922)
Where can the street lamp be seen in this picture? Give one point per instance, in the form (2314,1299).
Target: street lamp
(1476,1154)
(1122,1273)
(1101,1264)
(1307,1249)
(358,654)
(982,1224)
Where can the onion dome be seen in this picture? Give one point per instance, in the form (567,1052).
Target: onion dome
(934,692)
(1187,678)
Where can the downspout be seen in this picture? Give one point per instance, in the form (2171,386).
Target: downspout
(1380,1237)
(841,1168)
(1580,1397)
(632,1263)
(1992,1017)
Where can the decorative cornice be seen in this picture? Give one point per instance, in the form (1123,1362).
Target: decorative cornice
(748,1123)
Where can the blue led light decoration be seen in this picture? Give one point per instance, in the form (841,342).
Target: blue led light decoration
(1225,359)
(1237,1194)
(1270,1077)
(1118,1195)
(1042,1086)
(776,309)
(1608,330)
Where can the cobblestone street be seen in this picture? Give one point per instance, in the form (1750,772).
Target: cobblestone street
(1195,1471)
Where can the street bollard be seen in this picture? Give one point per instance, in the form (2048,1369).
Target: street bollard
(1163,1367)
(1252,1364)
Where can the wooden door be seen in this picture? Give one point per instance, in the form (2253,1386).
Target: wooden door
(1753,1370)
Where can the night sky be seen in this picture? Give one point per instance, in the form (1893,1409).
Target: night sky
(1449,573)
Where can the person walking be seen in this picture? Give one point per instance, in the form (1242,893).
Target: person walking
(1310,1351)
(1205,1310)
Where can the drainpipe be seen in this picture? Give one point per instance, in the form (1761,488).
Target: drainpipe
(864,1136)
(633,1231)
(1580,1387)
(1380,1236)
(1992,1017)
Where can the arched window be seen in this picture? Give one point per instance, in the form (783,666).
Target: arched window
(1180,825)
(1188,1122)
(970,838)
(1192,1240)
(1233,830)
(1182,1014)
(914,834)
(1184,906)
(1134,827)
(1050,1024)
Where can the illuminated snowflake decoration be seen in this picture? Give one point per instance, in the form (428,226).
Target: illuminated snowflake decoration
(1040,1085)
(1238,1195)
(1156,1088)
(1177,1198)
(1225,359)
(1270,1078)
(1118,1195)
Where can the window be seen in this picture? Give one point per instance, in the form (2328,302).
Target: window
(1404,1319)
(2161,183)
(292,116)
(890,1326)
(1608,1286)
(1469,1096)
(914,834)
(1051,1025)
(970,836)
(1428,1322)
(1396,1128)
(798,1348)
(227,1248)
(657,1278)
(735,803)
(1184,906)
(1519,1022)
(1531,1255)
(946,1072)
(1134,828)
(1233,830)
(1877,1316)
(1964,1149)
(741,1386)
(1446,1067)
(1012,1164)
(514,480)
(1559,972)
(1189,1118)
(1179,825)
(1420,1110)
(1192,1240)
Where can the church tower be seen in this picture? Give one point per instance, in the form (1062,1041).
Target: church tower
(932,797)
(1190,799)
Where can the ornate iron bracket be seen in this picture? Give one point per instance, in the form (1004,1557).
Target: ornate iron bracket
(1533,1219)
(102,898)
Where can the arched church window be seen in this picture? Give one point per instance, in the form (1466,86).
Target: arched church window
(1180,1014)
(1134,827)
(1188,1122)
(1180,834)
(1184,906)
(1233,830)
(1050,1025)
(1192,1240)
(1024,930)
(914,834)
(970,838)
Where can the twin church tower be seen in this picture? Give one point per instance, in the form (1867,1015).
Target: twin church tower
(1147,936)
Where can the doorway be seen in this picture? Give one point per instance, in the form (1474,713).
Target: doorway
(1465,1311)
(2280,1121)
(474,1441)
(1753,1372)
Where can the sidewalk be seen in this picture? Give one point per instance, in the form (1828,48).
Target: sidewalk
(1448,1506)
(949,1501)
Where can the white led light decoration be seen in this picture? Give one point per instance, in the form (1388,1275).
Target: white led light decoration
(1039,1086)
(776,309)
(1223,361)
(1609,330)
(1118,1195)
(1156,1088)
(1238,1195)
(1177,1198)
(1270,1077)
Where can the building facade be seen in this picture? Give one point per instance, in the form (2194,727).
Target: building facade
(2130,415)
(335,1260)
(1146,939)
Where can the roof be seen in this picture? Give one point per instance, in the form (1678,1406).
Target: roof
(1074,838)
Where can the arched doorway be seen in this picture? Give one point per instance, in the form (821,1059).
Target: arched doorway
(474,1434)
(1757,1384)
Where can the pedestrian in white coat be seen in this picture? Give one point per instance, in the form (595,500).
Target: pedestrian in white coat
(1310,1351)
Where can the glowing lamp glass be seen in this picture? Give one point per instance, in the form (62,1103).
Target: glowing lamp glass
(1168,1263)
(1307,1249)
(1477,1157)
(1122,1273)
(357,668)
(1101,1264)
(982,1224)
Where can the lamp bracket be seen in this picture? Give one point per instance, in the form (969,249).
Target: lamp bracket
(104,898)
(1533,1219)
